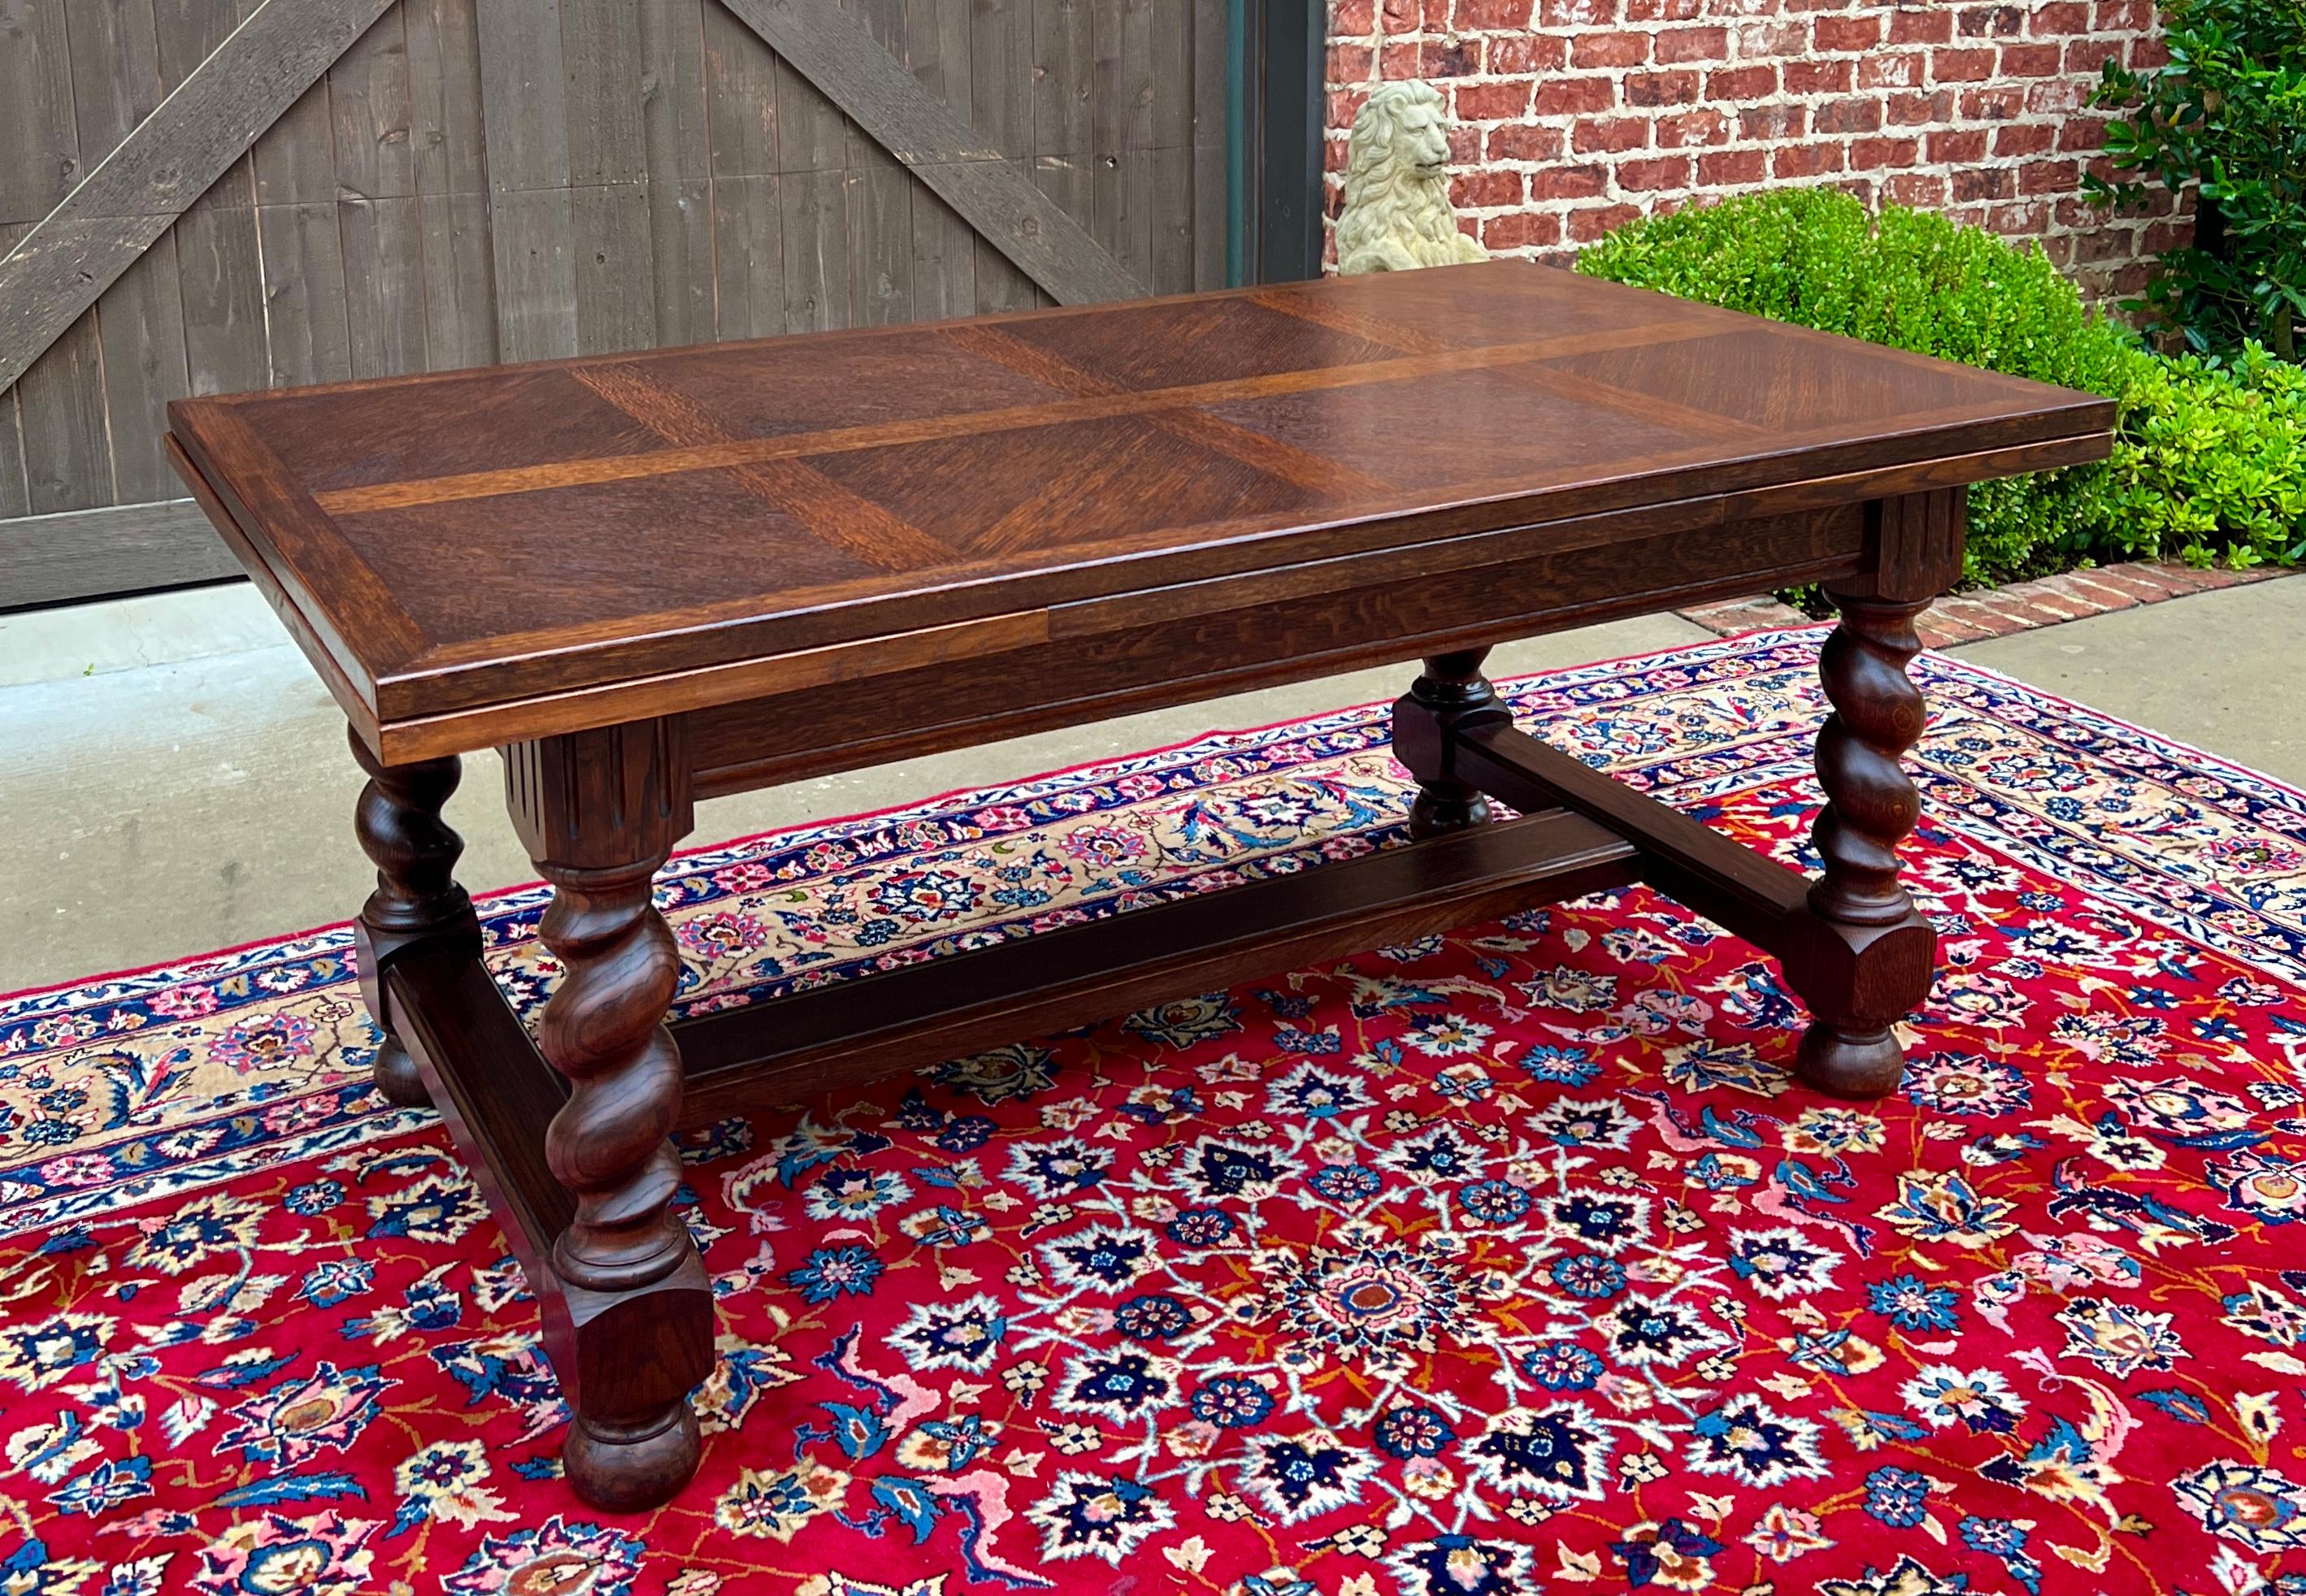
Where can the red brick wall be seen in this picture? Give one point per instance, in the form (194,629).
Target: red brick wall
(1576,115)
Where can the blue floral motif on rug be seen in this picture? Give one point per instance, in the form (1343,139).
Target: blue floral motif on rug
(1504,1261)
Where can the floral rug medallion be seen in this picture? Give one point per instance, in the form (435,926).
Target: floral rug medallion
(1503,1262)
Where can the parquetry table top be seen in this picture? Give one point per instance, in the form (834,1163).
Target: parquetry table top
(490,537)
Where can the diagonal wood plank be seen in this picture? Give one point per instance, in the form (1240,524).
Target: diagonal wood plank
(934,142)
(1642,406)
(1256,451)
(1060,499)
(855,525)
(113,215)
(739,451)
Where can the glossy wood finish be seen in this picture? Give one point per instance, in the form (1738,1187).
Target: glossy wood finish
(655,577)
(460,549)
(1225,635)
(626,1361)
(1913,552)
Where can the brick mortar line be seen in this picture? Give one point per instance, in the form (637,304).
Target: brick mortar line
(1965,616)
(1778,43)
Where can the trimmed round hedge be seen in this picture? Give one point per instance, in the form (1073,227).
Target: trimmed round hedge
(2210,461)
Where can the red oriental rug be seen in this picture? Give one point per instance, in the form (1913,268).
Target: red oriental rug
(1502,1262)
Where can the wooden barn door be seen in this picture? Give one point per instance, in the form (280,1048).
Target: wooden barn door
(200,196)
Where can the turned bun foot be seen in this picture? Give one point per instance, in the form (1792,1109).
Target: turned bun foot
(1851,1063)
(397,1077)
(1431,814)
(620,1470)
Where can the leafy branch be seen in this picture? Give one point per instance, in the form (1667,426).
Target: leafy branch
(2226,115)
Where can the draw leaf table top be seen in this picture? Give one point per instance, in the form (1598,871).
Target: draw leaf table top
(652,577)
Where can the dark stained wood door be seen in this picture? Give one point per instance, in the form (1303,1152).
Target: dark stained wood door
(466,181)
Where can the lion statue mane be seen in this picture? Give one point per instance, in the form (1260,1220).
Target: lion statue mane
(1396,215)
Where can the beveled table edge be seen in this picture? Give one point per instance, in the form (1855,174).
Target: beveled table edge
(735,681)
(427,701)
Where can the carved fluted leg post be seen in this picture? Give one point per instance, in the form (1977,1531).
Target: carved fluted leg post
(417,900)
(633,1331)
(1451,696)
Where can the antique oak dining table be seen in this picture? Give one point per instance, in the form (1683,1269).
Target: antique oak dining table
(657,577)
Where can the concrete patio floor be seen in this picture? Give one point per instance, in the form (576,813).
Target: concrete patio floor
(173,777)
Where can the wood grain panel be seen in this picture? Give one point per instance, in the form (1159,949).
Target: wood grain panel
(115,62)
(379,221)
(447,138)
(937,49)
(448,147)
(533,222)
(66,457)
(48,559)
(306,328)
(655,218)
(813,229)
(128,199)
(14,492)
(384,284)
(854,487)
(37,124)
(677,133)
(821,40)
(1125,654)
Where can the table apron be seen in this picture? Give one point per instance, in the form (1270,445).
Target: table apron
(816,731)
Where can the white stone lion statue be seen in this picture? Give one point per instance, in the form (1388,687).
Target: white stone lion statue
(1396,215)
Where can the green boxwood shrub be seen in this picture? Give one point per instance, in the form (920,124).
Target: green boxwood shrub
(2208,464)
(2213,462)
